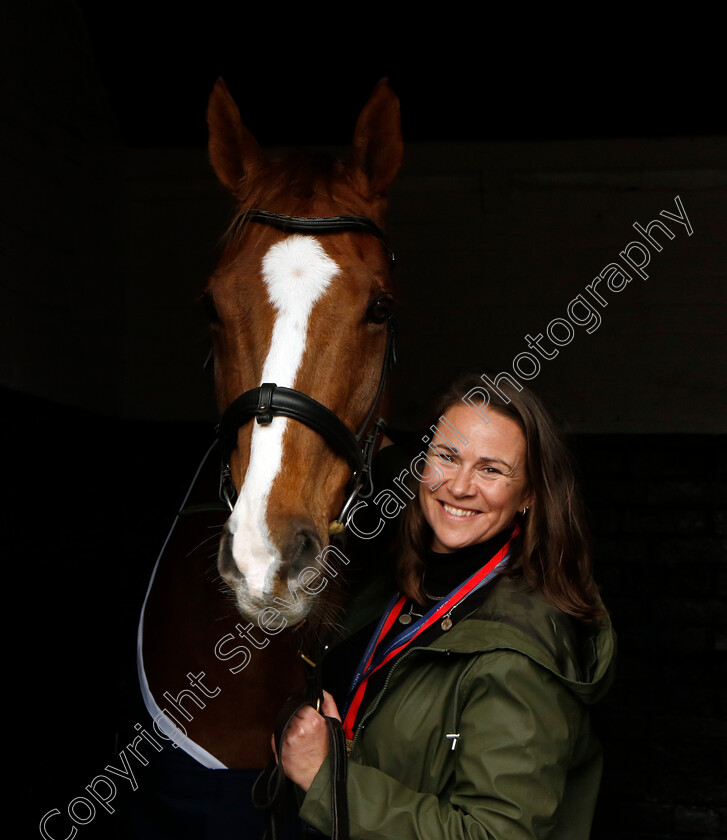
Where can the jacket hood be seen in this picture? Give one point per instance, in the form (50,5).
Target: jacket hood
(516,617)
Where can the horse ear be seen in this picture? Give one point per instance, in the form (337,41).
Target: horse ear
(233,151)
(378,147)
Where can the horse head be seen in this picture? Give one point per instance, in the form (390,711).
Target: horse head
(300,307)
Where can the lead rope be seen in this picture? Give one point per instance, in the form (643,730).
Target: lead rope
(339,767)
(272,787)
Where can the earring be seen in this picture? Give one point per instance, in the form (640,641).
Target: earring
(525,510)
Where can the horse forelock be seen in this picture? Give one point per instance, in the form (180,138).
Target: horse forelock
(299,184)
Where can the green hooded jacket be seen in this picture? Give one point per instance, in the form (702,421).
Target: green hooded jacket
(485,733)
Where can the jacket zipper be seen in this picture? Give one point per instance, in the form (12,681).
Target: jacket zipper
(455,704)
(372,708)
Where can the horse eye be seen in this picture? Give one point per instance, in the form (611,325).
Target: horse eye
(380,309)
(209,306)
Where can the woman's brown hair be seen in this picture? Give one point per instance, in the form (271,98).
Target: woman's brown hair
(554,544)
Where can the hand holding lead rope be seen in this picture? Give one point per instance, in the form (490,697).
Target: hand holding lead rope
(306,742)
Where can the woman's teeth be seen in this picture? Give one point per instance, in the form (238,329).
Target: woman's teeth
(458,511)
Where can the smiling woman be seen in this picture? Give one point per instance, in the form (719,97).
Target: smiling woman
(485,483)
(468,712)
(522,473)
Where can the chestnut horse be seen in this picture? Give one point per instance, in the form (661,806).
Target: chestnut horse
(300,308)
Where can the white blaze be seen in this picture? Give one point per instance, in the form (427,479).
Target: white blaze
(297,272)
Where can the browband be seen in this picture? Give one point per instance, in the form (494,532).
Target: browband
(324,224)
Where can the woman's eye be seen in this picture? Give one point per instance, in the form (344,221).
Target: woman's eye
(444,456)
(380,310)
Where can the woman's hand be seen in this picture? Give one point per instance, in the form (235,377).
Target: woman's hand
(306,742)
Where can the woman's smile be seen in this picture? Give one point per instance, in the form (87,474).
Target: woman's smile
(483,485)
(457,512)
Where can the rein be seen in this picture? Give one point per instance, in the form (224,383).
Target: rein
(263,404)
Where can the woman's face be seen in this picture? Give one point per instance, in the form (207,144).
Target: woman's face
(484,485)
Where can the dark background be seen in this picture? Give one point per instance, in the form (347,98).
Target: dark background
(303,80)
(533,144)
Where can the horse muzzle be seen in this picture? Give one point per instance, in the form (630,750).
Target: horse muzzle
(269,575)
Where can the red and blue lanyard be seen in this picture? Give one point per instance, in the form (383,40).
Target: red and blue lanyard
(373,659)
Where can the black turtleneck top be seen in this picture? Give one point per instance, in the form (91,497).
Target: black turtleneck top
(443,571)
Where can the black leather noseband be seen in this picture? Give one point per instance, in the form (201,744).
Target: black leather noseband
(270,401)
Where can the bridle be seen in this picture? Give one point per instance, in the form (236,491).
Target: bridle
(264,403)
(270,400)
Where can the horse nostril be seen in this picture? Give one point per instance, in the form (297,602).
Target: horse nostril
(302,550)
(225,561)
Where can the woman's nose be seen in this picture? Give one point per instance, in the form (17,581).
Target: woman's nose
(461,483)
